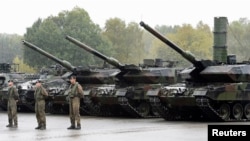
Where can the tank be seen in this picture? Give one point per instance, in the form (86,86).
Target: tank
(4,78)
(87,77)
(132,84)
(216,90)
(26,89)
(7,72)
(5,67)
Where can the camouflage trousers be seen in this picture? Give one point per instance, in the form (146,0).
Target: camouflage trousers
(40,112)
(74,110)
(12,112)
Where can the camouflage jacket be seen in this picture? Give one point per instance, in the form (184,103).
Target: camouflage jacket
(40,93)
(75,90)
(12,93)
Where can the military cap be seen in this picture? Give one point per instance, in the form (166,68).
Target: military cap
(72,77)
(11,80)
(38,81)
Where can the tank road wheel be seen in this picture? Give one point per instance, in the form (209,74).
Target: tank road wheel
(143,109)
(155,112)
(224,111)
(50,108)
(247,111)
(97,109)
(237,111)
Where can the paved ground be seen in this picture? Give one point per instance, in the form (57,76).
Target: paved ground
(103,129)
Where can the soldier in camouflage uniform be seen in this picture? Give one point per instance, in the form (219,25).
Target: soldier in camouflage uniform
(13,98)
(40,95)
(75,93)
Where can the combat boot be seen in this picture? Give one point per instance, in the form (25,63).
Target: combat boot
(43,128)
(9,125)
(71,127)
(38,127)
(78,127)
(14,126)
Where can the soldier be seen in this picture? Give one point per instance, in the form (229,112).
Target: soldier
(40,95)
(13,98)
(75,93)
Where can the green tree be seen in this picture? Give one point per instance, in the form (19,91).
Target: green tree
(10,46)
(22,66)
(238,39)
(126,40)
(197,40)
(135,47)
(153,46)
(49,34)
(114,31)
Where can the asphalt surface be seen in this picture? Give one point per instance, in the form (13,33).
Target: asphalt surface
(103,129)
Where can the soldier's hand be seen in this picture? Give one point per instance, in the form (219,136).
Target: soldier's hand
(67,98)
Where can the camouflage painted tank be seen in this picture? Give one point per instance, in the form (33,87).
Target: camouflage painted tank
(4,78)
(87,77)
(216,90)
(26,89)
(9,72)
(132,85)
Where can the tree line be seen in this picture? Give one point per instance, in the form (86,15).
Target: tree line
(127,42)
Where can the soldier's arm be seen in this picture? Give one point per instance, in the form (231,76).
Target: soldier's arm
(80,90)
(44,92)
(16,95)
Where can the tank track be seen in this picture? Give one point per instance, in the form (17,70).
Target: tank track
(96,109)
(52,108)
(83,108)
(90,107)
(124,103)
(211,113)
(162,110)
(3,106)
(158,107)
(169,114)
(29,107)
(27,104)
(207,109)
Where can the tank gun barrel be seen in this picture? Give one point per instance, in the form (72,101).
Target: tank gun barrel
(188,56)
(64,63)
(110,60)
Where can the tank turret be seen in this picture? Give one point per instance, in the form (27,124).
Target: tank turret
(217,70)
(216,90)
(87,77)
(110,60)
(83,75)
(5,67)
(134,82)
(187,55)
(129,72)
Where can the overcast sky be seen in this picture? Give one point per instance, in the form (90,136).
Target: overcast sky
(17,15)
